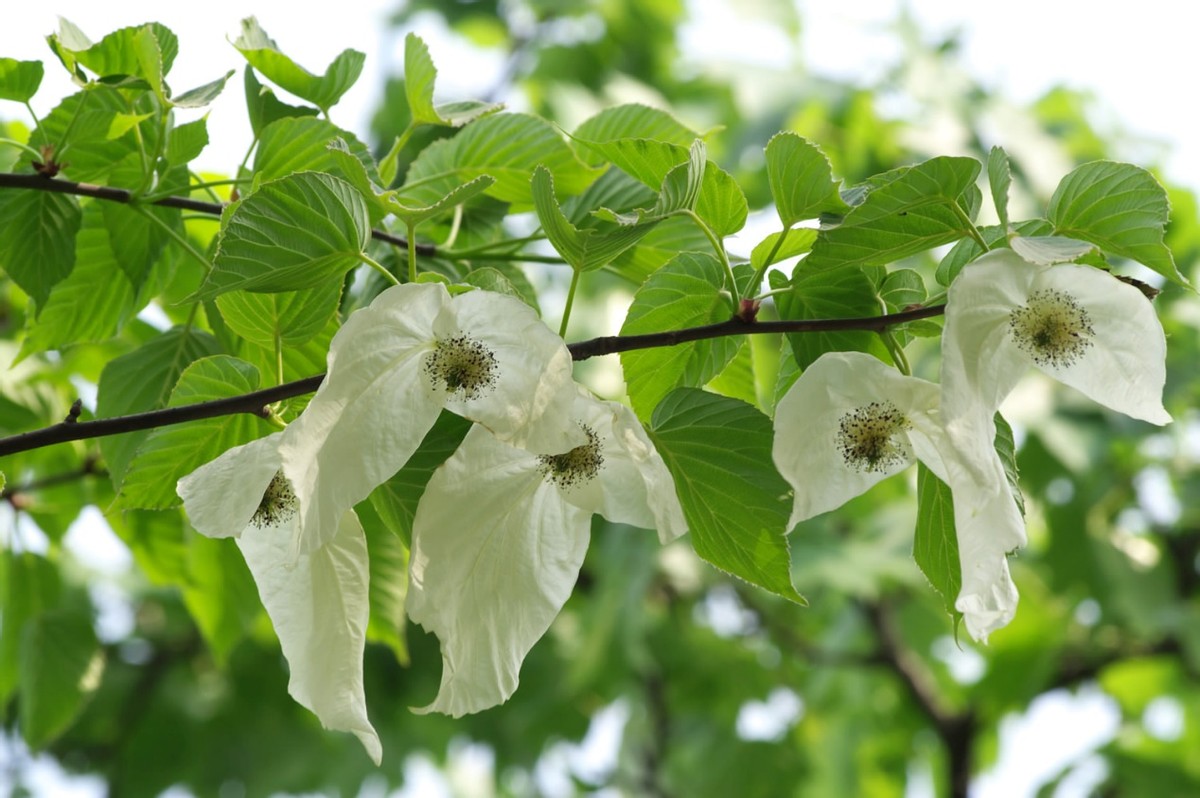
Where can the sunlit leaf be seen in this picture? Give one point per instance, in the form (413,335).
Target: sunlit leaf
(322,91)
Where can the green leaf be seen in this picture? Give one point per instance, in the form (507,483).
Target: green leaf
(910,213)
(795,242)
(506,146)
(935,542)
(667,240)
(302,144)
(968,250)
(288,318)
(264,107)
(585,249)
(202,95)
(144,51)
(419,78)
(19,80)
(1006,448)
(93,302)
(61,666)
(186,141)
(37,239)
(322,91)
(136,240)
(902,288)
(388,583)
(801,180)
(720,202)
(413,215)
(1000,180)
(29,585)
(837,294)
(689,291)
(170,453)
(736,504)
(489,278)
(632,121)
(220,594)
(292,233)
(142,380)
(396,500)
(1118,207)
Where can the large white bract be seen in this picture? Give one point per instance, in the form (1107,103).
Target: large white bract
(500,535)
(395,365)
(1079,324)
(850,421)
(318,602)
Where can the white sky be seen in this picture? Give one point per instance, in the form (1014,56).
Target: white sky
(1139,59)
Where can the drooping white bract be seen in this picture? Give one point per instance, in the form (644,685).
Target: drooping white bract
(500,534)
(317,603)
(850,421)
(1079,324)
(395,365)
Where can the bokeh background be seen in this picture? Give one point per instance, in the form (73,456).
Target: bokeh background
(661,677)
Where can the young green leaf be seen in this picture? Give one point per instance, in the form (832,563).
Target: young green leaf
(322,91)
(506,146)
(202,95)
(419,77)
(736,504)
(288,318)
(186,141)
(412,215)
(688,292)
(263,107)
(795,242)
(295,232)
(19,80)
(1118,207)
(801,180)
(1000,180)
(303,144)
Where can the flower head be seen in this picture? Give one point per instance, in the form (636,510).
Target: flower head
(850,421)
(490,574)
(1076,323)
(318,602)
(395,365)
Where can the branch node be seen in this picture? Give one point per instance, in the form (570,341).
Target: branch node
(73,413)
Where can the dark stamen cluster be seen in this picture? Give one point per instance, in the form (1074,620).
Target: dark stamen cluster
(1052,329)
(462,365)
(866,437)
(576,467)
(278,503)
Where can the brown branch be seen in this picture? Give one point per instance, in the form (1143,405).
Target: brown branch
(37,182)
(256,402)
(956,730)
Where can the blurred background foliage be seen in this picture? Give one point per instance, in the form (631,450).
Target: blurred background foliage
(662,677)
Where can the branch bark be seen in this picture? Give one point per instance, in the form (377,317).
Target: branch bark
(71,430)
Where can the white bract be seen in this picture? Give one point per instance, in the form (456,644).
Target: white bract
(1076,323)
(318,602)
(850,421)
(500,534)
(395,365)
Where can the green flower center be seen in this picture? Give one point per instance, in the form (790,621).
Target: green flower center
(463,365)
(1052,329)
(278,503)
(578,466)
(868,437)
